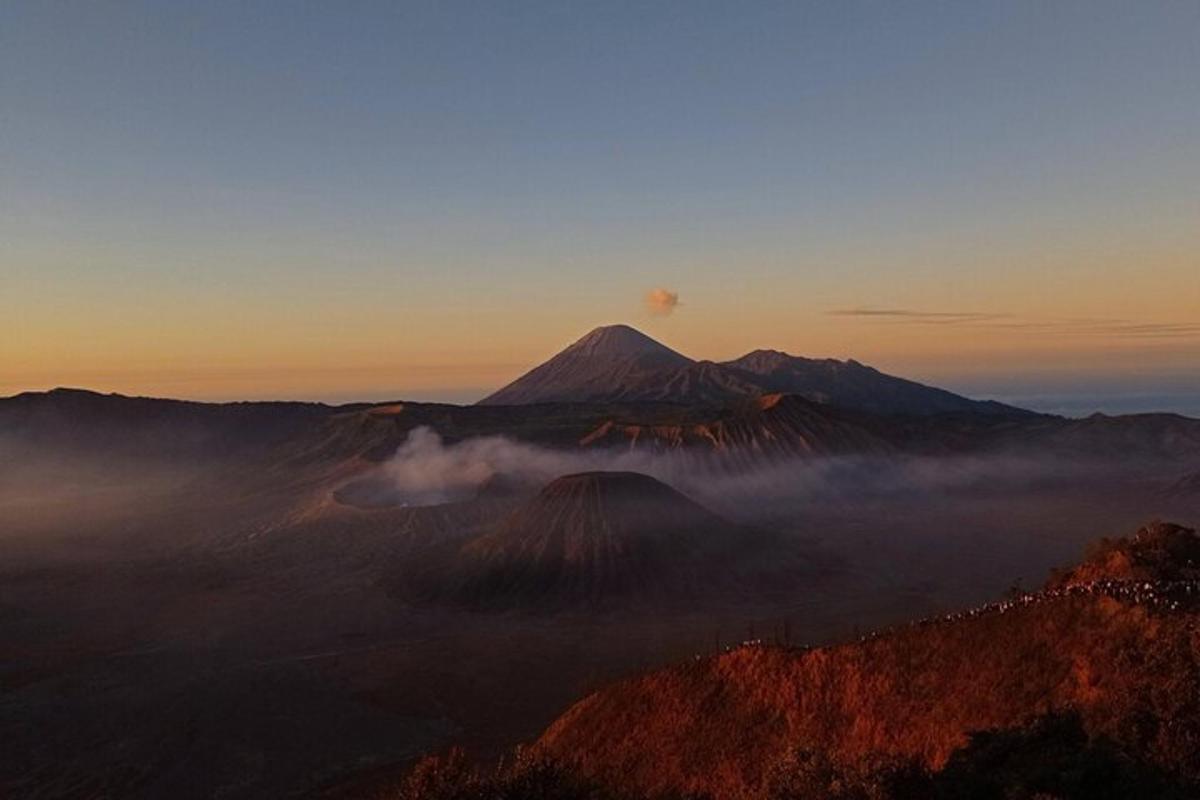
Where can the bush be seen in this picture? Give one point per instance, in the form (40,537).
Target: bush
(1051,759)
(806,775)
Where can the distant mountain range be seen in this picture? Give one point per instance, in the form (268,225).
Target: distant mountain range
(617,363)
(743,432)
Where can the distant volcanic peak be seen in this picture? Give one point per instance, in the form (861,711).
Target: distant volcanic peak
(622,341)
(854,385)
(611,363)
(616,363)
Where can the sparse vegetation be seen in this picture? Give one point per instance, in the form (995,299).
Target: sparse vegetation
(1052,758)
(1048,758)
(1158,551)
(842,722)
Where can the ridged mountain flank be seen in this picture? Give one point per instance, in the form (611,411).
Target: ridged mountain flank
(849,384)
(602,539)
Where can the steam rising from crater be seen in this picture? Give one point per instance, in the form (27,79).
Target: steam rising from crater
(427,471)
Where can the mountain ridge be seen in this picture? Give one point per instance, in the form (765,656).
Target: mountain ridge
(1114,651)
(619,363)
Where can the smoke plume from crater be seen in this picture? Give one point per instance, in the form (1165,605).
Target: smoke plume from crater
(661,302)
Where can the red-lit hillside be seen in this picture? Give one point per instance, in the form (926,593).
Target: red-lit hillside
(1121,654)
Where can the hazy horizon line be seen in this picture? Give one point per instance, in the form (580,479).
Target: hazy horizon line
(1115,400)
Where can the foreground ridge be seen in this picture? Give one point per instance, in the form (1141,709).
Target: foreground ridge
(1163,596)
(1158,595)
(1118,655)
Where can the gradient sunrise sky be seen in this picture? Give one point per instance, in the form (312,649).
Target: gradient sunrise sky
(379,200)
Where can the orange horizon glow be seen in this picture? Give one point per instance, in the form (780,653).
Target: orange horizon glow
(971,198)
(930,346)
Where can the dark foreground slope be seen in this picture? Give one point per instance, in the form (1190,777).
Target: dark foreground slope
(1120,657)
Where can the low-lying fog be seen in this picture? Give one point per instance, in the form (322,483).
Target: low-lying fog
(189,630)
(428,471)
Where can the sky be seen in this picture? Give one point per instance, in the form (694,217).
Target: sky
(360,201)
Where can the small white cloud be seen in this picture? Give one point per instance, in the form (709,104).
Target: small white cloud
(661,301)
